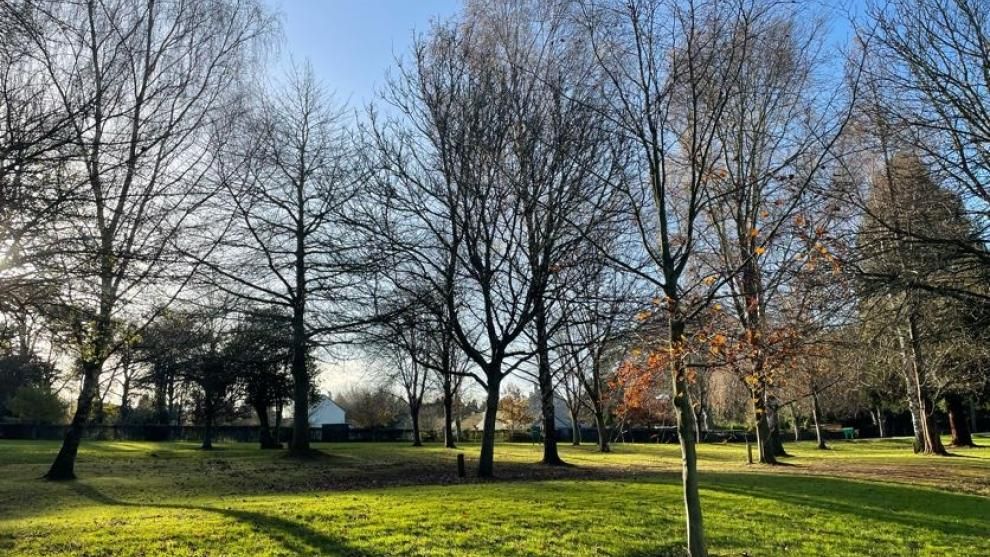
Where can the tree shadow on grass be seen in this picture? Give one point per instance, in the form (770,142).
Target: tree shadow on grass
(953,514)
(298,538)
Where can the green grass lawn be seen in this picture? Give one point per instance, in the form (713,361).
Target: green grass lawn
(861,498)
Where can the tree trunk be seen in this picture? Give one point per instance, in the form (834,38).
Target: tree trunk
(958,424)
(763,443)
(880,420)
(125,406)
(208,431)
(697,425)
(448,416)
(816,413)
(486,460)
(603,445)
(414,415)
(685,435)
(161,398)
(916,421)
(65,463)
(794,424)
(266,439)
(575,429)
(932,441)
(550,454)
(299,445)
(773,421)
(972,415)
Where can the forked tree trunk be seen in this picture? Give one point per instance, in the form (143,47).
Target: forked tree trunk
(685,435)
(958,424)
(65,463)
(916,420)
(486,460)
(931,443)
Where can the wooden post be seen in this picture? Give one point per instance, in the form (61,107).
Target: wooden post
(749,450)
(460,466)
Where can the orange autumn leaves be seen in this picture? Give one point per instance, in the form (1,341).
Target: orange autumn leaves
(641,384)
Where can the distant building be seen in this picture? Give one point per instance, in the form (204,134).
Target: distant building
(326,411)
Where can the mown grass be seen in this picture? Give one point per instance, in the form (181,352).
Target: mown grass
(861,498)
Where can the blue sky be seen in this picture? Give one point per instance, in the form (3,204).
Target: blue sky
(351,43)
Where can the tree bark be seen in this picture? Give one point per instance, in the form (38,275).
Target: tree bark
(773,421)
(448,416)
(880,420)
(125,394)
(685,435)
(931,443)
(486,460)
(64,466)
(932,440)
(763,443)
(551,456)
(958,424)
(915,412)
(603,444)
(414,414)
(299,446)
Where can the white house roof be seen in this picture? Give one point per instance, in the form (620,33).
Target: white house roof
(326,411)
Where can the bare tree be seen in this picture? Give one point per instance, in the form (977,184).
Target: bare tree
(593,338)
(930,60)
(557,150)
(660,60)
(776,139)
(292,243)
(138,84)
(448,207)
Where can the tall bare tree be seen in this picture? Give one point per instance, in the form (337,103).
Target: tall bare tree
(670,67)
(558,149)
(776,140)
(293,243)
(448,206)
(138,84)
(930,70)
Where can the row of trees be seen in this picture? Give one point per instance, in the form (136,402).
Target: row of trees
(629,203)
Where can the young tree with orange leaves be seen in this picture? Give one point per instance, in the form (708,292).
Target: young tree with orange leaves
(673,71)
(775,139)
